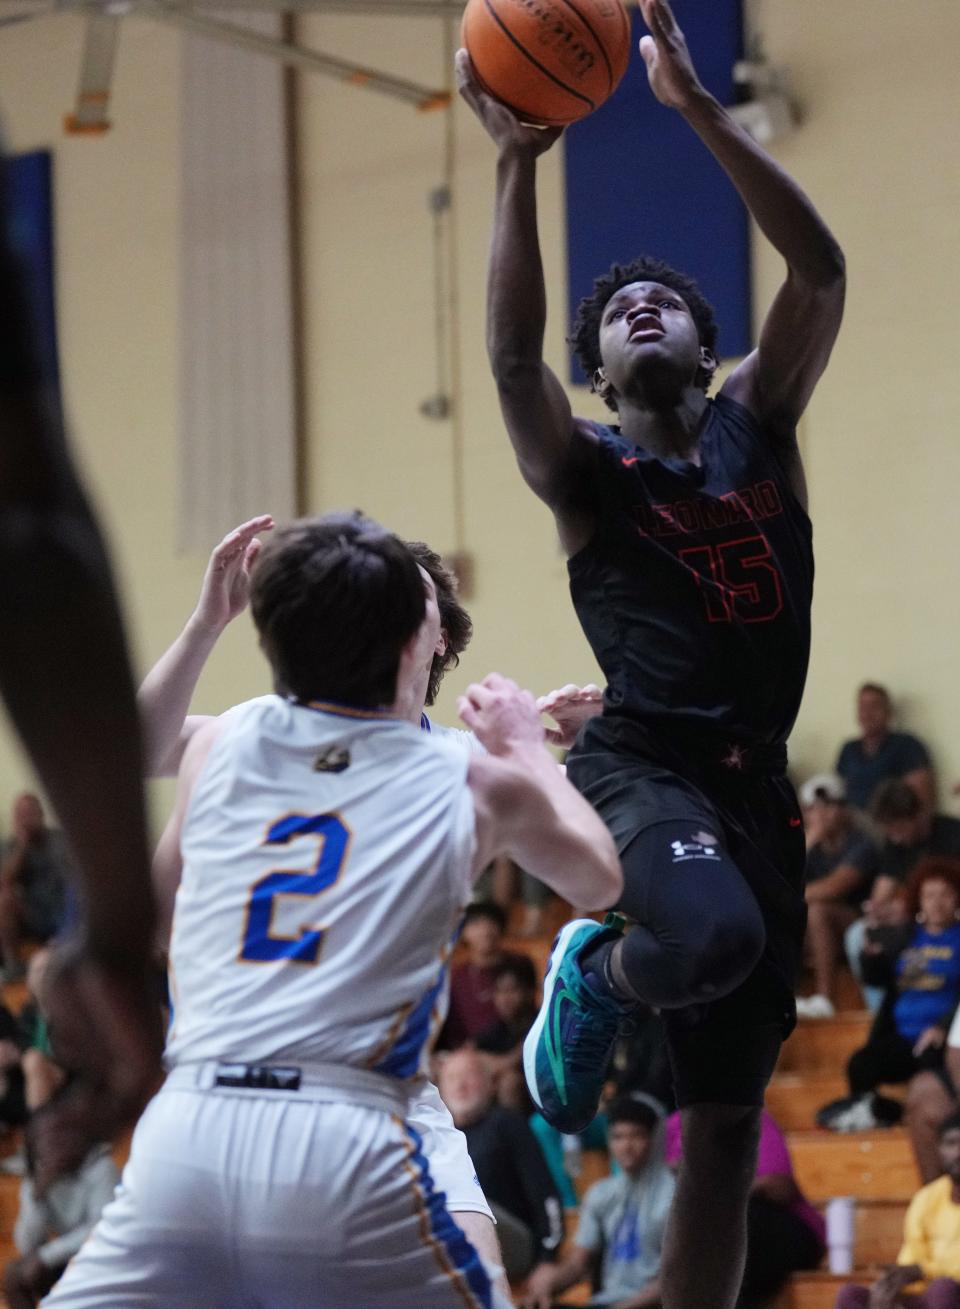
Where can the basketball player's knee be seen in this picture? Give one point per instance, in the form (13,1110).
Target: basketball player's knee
(729,952)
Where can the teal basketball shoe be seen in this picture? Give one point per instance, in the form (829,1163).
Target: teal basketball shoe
(568,1049)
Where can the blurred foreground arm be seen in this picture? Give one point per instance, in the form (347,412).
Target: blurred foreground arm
(66,680)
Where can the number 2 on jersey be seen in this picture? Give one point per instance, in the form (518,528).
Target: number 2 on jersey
(261,944)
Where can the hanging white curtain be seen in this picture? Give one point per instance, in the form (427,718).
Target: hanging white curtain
(238,423)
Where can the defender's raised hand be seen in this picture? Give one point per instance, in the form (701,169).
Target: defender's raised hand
(225,590)
(673,78)
(500,715)
(502,124)
(570,707)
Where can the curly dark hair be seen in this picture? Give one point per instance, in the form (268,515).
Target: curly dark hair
(585,334)
(454,619)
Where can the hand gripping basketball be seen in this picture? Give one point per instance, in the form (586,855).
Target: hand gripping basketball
(501,123)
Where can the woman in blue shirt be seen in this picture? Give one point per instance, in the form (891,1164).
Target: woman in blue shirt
(920,967)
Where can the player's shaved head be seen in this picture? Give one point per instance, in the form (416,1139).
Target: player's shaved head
(335,599)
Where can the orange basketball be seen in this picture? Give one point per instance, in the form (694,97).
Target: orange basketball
(550,61)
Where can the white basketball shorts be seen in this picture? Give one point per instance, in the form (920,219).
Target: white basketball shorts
(250,1199)
(445,1147)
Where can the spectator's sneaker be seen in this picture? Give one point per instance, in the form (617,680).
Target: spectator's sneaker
(568,1048)
(815,1006)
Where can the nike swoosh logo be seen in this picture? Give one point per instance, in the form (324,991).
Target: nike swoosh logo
(552,1033)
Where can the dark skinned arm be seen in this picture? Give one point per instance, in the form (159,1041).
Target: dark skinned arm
(65,677)
(551,448)
(776,381)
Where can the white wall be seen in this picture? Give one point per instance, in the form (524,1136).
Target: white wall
(878,151)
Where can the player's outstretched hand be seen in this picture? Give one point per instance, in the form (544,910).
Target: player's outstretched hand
(106,1031)
(501,123)
(500,715)
(225,590)
(673,78)
(570,707)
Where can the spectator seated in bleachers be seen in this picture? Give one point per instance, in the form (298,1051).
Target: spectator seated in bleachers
(510,1166)
(515,1001)
(931,1243)
(919,967)
(909,832)
(879,753)
(52,1226)
(34,877)
(785,1234)
(622,1219)
(472,1011)
(841,866)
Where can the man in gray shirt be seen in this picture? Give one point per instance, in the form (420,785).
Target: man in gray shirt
(622,1219)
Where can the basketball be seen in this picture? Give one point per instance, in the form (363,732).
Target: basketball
(550,61)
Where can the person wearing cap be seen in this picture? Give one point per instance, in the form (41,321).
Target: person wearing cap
(841,864)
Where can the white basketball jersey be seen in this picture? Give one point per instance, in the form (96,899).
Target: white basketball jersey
(327,860)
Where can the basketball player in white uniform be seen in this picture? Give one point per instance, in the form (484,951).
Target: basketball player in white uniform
(324,849)
(165,698)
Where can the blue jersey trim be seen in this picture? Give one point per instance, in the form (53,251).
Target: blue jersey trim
(458,1249)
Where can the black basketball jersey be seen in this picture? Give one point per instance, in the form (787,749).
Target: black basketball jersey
(695,589)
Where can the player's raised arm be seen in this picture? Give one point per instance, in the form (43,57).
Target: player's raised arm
(526,808)
(777,380)
(165,694)
(535,407)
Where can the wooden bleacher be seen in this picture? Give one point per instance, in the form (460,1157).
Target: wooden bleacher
(877,1168)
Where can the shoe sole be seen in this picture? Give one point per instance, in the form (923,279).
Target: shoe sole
(533,1036)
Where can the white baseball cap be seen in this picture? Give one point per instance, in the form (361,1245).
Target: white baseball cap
(823,786)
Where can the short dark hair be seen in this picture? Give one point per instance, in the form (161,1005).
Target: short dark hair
(874,688)
(486,909)
(585,334)
(894,800)
(454,619)
(950,1124)
(335,599)
(520,968)
(628,1110)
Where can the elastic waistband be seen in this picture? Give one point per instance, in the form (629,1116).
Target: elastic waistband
(312,1081)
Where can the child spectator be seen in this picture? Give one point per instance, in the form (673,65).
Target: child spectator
(51,1227)
(472,1010)
(879,753)
(622,1218)
(510,1166)
(920,968)
(841,865)
(515,1001)
(931,1243)
(785,1234)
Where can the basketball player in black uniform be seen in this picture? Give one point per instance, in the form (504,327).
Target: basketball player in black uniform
(691,570)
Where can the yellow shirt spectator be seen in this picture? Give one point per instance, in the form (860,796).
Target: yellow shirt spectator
(931,1231)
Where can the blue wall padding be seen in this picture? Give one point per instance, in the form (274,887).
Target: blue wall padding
(31,219)
(639,181)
